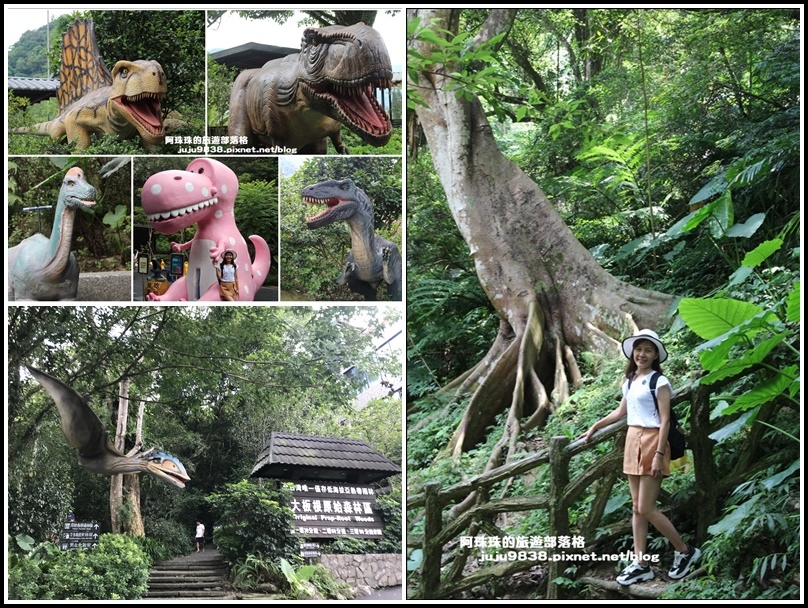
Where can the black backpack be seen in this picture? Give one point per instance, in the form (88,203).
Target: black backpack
(675,436)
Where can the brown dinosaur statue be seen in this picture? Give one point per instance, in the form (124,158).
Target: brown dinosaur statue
(124,103)
(298,101)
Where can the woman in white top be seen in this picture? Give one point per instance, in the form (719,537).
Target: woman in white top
(646,459)
(227,273)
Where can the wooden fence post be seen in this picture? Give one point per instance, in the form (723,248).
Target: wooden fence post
(559,516)
(433,552)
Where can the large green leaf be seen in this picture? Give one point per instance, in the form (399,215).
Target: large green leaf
(776,480)
(734,518)
(722,216)
(793,304)
(750,358)
(679,227)
(733,427)
(711,318)
(760,253)
(765,392)
(634,246)
(716,185)
(699,216)
(740,275)
(714,353)
(748,228)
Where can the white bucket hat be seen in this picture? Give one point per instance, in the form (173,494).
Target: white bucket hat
(645,334)
(235,255)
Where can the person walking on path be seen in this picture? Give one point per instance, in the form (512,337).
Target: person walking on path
(200,536)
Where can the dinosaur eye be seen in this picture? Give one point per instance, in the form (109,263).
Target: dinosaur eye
(71,183)
(124,72)
(201,170)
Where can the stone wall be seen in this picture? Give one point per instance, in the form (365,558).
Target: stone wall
(374,570)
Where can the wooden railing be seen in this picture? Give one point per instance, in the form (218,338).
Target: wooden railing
(441,580)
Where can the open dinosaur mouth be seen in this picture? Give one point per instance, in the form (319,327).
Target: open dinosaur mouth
(330,203)
(144,110)
(358,107)
(168,468)
(168,215)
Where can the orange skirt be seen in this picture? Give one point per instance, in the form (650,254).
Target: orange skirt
(227,291)
(641,446)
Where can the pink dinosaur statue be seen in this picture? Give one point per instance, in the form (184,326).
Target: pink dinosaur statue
(203,194)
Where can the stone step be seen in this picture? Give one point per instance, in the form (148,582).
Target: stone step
(191,577)
(184,573)
(191,583)
(180,594)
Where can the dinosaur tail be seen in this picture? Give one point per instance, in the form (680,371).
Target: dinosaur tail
(260,265)
(42,128)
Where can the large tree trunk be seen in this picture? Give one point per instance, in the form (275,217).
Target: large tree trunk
(550,292)
(124,492)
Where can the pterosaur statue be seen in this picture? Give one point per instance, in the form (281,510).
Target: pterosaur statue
(85,432)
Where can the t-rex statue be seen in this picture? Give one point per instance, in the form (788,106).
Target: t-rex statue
(86,433)
(203,194)
(124,103)
(297,101)
(372,259)
(42,268)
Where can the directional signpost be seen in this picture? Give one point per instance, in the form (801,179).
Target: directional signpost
(80,535)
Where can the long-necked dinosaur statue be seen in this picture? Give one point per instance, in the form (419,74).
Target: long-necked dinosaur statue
(373,260)
(124,103)
(85,432)
(297,101)
(42,268)
(203,194)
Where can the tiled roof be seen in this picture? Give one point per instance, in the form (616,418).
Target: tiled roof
(291,456)
(23,83)
(251,54)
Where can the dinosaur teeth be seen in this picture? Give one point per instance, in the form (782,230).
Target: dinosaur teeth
(165,215)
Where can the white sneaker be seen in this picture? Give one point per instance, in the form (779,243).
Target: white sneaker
(683,561)
(635,573)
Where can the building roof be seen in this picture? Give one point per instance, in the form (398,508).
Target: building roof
(36,89)
(251,55)
(293,457)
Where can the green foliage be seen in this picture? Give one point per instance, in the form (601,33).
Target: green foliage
(472,70)
(117,569)
(450,321)
(165,538)
(758,537)
(715,96)
(325,583)
(311,581)
(256,571)
(257,209)
(253,520)
(220,83)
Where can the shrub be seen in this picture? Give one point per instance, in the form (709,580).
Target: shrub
(116,569)
(253,520)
